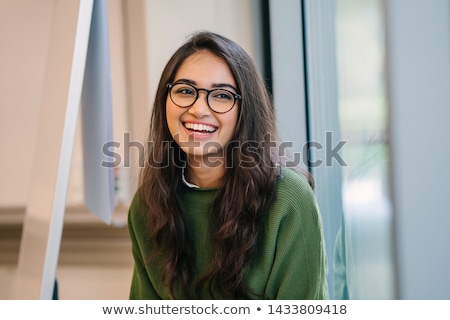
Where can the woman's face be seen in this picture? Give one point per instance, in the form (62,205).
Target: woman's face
(197,129)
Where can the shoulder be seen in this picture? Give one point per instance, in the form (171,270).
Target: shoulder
(137,203)
(295,200)
(137,211)
(294,186)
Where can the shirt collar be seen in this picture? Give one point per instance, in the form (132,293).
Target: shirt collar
(183,178)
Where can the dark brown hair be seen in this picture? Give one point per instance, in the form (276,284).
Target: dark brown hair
(248,188)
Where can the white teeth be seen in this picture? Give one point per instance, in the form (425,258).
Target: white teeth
(200,127)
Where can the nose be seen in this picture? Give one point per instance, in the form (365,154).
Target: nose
(200,107)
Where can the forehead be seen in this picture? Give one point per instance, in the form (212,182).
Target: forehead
(205,67)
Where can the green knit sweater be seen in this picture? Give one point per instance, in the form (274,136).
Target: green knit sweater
(292,264)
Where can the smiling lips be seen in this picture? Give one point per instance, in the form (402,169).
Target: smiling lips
(200,128)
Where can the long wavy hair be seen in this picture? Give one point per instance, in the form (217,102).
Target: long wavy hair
(248,189)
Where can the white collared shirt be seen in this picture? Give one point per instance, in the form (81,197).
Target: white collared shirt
(183,178)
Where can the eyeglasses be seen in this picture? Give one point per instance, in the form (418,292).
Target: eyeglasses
(219,100)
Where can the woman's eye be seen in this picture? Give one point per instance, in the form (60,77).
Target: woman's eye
(223,95)
(181,89)
(186,91)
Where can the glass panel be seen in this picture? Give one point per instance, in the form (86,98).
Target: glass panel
(365,269)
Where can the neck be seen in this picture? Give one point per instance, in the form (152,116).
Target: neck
(205,174)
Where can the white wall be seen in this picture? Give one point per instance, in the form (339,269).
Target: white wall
(24,34)
(418,46)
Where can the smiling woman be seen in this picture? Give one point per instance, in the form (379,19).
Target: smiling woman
(194,124)
(217,215)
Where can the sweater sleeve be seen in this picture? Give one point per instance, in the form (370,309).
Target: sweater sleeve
(141,285)
(299,269)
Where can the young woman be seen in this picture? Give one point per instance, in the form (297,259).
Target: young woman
(217,215)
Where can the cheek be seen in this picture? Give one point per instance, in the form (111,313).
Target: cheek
(168,110)
(171,118)
(232,122)
(228,129)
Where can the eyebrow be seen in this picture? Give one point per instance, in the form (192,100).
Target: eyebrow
(214,85)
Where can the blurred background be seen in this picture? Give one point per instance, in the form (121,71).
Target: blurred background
(363,86)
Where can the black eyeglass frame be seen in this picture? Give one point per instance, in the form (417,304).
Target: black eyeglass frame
(236,96)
